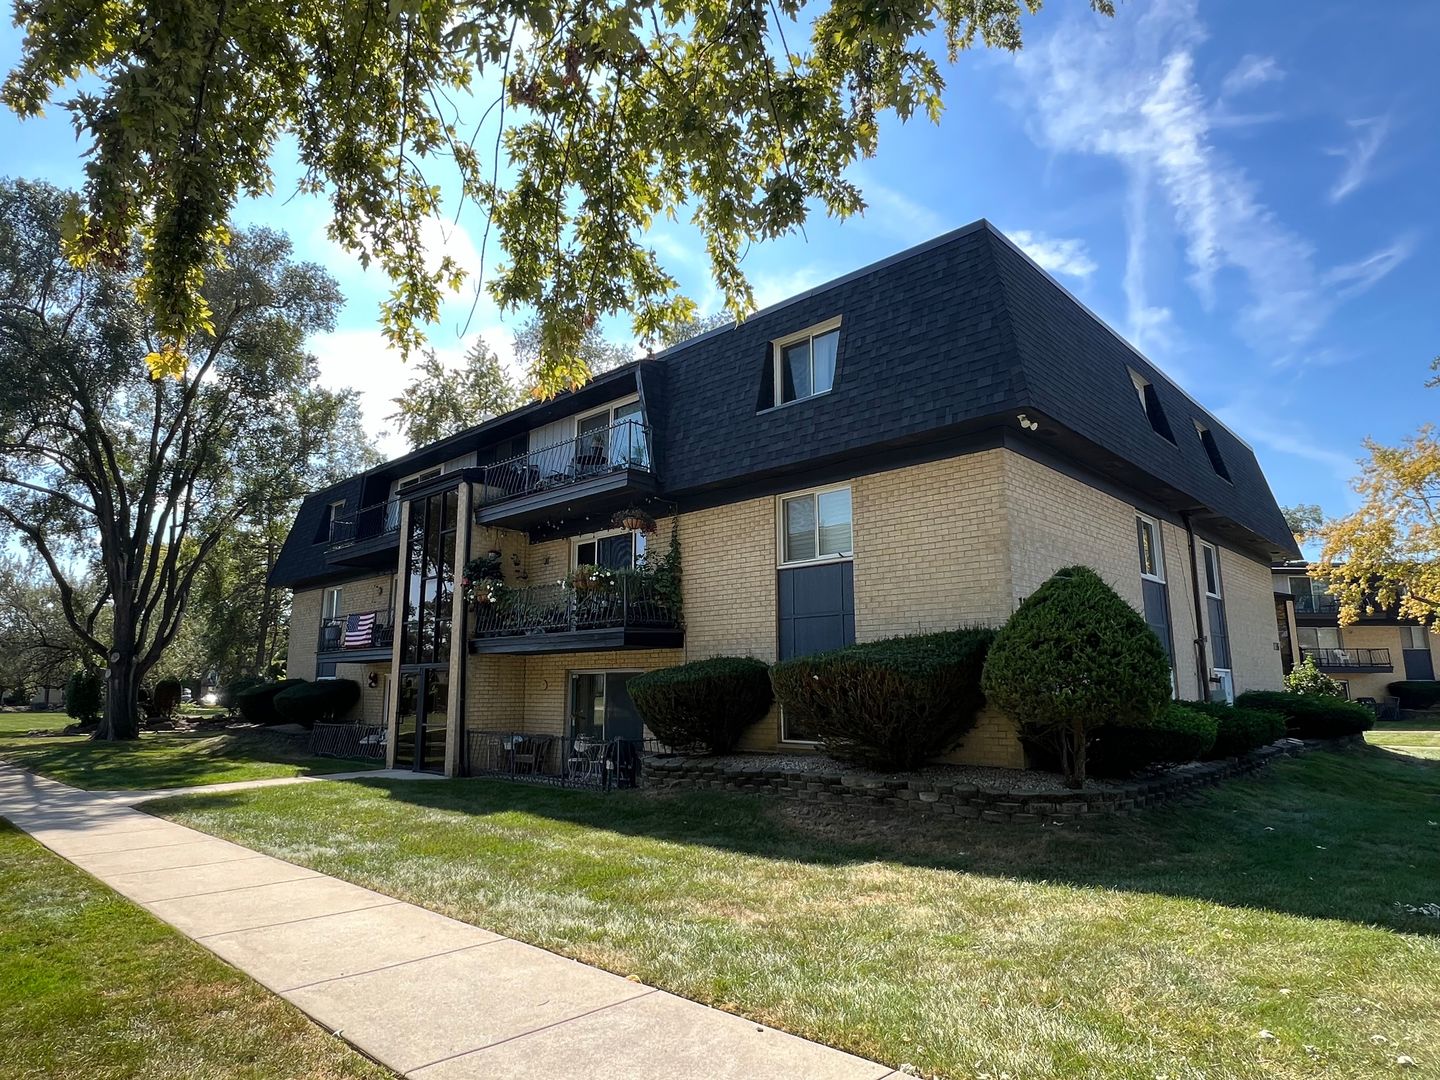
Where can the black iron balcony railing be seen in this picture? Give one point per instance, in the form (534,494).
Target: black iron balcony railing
(361,630)
(1350,659)
(574,761)
(623,445)
(367,522)
(1316,604)
(631,600)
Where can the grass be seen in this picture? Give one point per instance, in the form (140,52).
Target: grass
(1417,738)
(92,987)
(158,759)
(1157,944)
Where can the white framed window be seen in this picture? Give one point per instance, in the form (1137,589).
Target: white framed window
(794,732)
(616,549)
(613,434)
(816,525)
(330,604)
(1211,559)
(1414,637)
(1318,637)
(805,362)
(1152,552)
(417,478)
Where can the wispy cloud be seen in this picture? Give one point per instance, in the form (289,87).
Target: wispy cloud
(1250,72)
(1352,279)
(1058,255)
(1358,155)
(1266,427)
(771,288)
(1129,92)
(896,213)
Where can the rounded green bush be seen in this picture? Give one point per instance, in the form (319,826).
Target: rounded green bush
(166,698)
(1240,730)
(1416,693)
(890,704)
(85,696)
(1177,733)
(1309,716)
(1073,658)
(257,704)
(237,686)
(705,704)
(321,702)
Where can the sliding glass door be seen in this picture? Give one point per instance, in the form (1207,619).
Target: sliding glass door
(600,707)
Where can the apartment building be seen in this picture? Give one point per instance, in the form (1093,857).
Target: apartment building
(913,446)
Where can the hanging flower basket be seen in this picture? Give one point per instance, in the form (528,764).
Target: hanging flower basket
(634,519)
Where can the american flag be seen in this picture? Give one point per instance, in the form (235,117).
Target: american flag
(359,630)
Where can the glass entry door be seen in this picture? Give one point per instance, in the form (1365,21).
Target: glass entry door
(423,705)
(600,707)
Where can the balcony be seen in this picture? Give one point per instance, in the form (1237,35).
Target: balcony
(594,472)
(364,635)
(367,537)
(1352,661)
(1317,604)
(628,613)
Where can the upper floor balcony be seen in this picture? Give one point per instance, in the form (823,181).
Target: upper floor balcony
(1316,603)
(366,537)
(363,634)
(600,468)
(599,610)
(1354,661)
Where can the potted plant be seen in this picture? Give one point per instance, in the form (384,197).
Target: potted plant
(635,519)
(483,579)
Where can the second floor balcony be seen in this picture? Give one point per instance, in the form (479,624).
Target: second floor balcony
(363,634)
(366,537)
(627,611)
(1316,603)
(599,468)
(1350,660)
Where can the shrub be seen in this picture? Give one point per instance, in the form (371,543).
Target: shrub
(1177,733)
(891,704)
(705,704)
(1307,678)
(85,696)
(1240,730)
(1416,693)
(167,697)
(1072,658)
(321,702)
(230,692)
(1309,716)
(257,704)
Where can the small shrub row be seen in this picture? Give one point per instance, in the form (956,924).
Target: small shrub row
(257,704)
(1238,730)
(1416,693)
(703,705)
(1309,716)
(1177,733)
(891,704)
(295,701)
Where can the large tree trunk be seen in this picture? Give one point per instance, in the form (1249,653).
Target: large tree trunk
(121,718)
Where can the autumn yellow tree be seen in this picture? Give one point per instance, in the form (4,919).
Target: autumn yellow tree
(1384,555)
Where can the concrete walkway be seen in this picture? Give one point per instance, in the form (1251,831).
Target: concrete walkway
(426,995)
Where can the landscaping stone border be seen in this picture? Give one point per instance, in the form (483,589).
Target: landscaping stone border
(928,795)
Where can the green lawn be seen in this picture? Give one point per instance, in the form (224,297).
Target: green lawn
(92,987)
(158,759)
(1158,944)
(1418,739)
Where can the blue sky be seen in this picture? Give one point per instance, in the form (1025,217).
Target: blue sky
(1244,191)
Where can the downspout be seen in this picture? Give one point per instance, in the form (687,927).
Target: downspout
(1202,667)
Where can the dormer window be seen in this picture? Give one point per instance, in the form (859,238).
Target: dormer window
(804,363)
(1212,451)
(1150,404)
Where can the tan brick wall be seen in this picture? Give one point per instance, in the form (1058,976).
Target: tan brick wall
(370,709)
(368,594)
(304,633)
(1250,618)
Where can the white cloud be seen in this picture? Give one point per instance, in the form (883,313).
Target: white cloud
(1058,255)
(1354,278)
(1128,91)
(1250,72)
(771,288)
(896,213)
(1359,155)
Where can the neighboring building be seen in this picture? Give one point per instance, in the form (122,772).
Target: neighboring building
(1364,657)
(914,446)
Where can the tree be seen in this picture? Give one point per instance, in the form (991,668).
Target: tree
(440,401)
(685,329)
(1386,555)
(597,352)
(147,475)
(1304,520)
(609,115)
(37,646)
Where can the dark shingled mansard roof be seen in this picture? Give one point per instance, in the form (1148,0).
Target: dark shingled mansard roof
(941,347)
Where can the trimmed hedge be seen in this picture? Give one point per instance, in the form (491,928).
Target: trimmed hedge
(257,704)
(321,702)
(1309,716)
(1416,693)
(1073,659)
(891,704)
(230,692)
(85,696)
(166,698)
(705,704)
(1239,730)
(1177,734)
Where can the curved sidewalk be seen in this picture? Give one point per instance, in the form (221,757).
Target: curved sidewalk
(424,994)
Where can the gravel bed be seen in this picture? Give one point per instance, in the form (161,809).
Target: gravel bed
(982,776)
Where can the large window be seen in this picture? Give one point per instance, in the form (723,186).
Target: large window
(1318,637)
(1154,593)
(616,550)
(330,606)
(1152,555)
(816,525)
(805,363)
(613,436)
(1219,632)
(430,579)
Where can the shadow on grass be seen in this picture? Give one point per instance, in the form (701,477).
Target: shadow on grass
(1347,834)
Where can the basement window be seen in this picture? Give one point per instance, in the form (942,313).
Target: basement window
(1150,404)
(1212,451)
